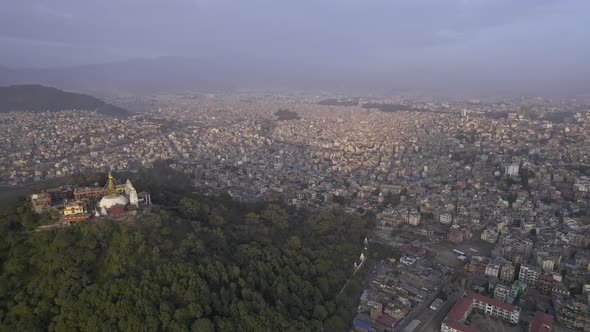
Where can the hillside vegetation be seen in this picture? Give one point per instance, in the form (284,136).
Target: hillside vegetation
(199,264)
(38,98)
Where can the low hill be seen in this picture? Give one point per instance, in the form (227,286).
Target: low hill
(192,264)
(38,98)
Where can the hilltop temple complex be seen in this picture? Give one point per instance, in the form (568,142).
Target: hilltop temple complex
(114,201)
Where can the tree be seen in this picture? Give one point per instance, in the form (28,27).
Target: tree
(237,269)
(202,325)
(276,216)
(189,207)
(217,221)
(294,243)
(319,312)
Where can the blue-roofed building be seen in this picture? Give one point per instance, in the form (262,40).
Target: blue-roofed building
(362,326)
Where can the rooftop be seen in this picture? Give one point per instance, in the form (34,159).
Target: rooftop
(459,326)
(542,322)
(457,313)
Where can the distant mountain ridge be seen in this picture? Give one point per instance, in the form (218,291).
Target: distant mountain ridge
(38,98)
(166,74)
(174,74)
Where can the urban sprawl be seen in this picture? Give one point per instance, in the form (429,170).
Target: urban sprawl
(486,206)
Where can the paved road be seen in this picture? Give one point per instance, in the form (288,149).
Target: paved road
(423,307)
(433,324)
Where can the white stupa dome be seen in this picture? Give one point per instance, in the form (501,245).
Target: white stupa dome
(112,200)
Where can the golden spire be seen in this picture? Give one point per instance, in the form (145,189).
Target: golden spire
(111,190)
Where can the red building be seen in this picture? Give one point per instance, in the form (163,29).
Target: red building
(455,320)
(545,283)
(541,323)
(410,249)
(89,193)
(60,193)
(76,218)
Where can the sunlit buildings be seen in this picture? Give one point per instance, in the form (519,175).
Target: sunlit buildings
(454,322)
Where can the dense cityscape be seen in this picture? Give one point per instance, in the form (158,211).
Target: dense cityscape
(483,206)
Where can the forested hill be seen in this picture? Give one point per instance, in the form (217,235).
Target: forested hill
(36,98)
(200,264)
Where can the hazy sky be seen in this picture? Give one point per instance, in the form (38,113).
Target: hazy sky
(526,36)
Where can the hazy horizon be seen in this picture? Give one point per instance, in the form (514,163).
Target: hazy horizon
(423,42)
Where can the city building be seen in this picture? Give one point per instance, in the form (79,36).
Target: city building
(414,218)
(515,248)
(529,275)
(574,313)
(511,170)
(501,292)
(458,234)
(496,308)
(541,323)
(546,283)
(446,218)
(507,272)
(490,235)
(76,207)
(493,268)
(518,287)
(454,321)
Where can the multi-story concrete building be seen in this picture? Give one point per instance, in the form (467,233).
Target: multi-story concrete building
(493,269)
(446,218)
(545,283)
(454,322)
(548,261)
(507,272)
(501,293)
(548,265)
(414,218)
(573,313)
(490,235)
(496,308)
(529,275)
(511,170)
(458,314)
(458,235)
(523,247)
(516,249)
(518,287)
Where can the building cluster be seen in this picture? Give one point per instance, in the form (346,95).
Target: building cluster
(48,145)
(400,290)
(113,201)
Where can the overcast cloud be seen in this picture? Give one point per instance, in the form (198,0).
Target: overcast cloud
(533,37)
